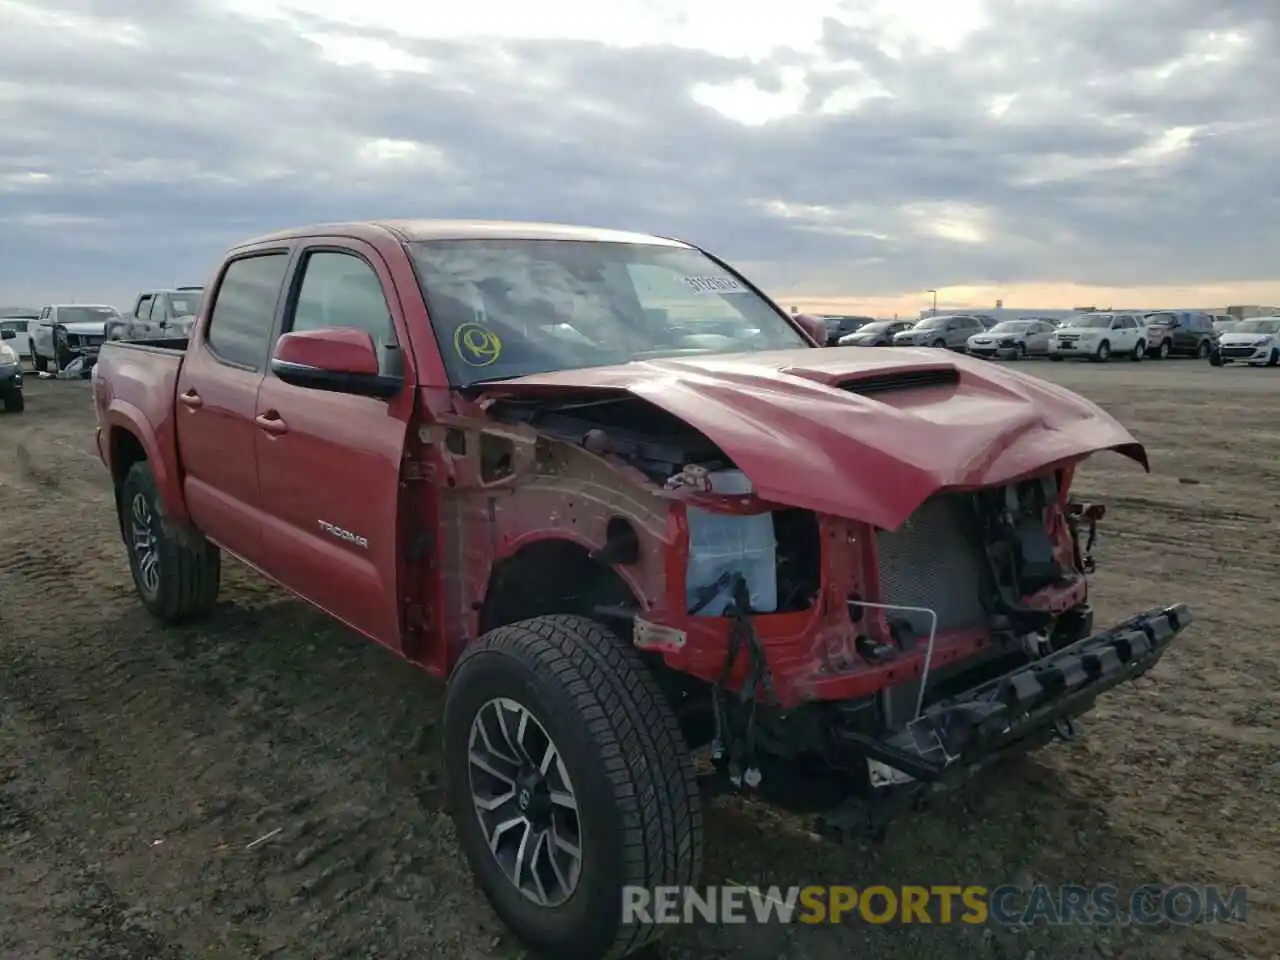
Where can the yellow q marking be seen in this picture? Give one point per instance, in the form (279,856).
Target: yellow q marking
(475,345)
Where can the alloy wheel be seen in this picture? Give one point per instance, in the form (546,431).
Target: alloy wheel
(525,802)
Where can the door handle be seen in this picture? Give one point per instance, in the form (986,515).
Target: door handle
(191,399)
(271,423)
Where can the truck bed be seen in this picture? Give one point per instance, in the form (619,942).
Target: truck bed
(143,380)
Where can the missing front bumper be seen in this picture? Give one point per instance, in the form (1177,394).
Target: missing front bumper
(953,738)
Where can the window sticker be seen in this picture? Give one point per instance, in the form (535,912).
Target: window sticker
(475,345)
(714,284)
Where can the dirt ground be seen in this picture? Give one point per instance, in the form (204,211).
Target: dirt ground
(261,785)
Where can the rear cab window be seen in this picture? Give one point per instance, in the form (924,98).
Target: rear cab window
(244,309)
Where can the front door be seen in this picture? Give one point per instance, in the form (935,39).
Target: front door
(42,335)
(217,395)
(329,463)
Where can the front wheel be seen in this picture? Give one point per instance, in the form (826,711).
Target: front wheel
(1103,353)
(176,577)
(1056,358)
(939,344)
(14,402)
(38,362)
(1139,352)
(1202,351)
(1274,359)
(569,781)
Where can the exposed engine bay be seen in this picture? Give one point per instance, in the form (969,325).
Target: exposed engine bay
(827,658)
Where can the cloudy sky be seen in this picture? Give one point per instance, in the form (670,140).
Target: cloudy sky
(843,154)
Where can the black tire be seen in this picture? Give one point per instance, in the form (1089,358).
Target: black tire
(1020,352)
(1056,358)
(40,363)
(1202,351)
(188,568)
(1274,359)
(1103,353)
(639,811)
(1163,351)
(939,344)
(14,402)
(1139,352)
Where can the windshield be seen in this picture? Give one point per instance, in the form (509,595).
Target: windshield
(1260,325)
(932,323)
(508,308)
(184,304)
(1090,321)
(86,314)
(1011,326)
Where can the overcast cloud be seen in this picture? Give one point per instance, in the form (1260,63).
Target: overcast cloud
(869,150)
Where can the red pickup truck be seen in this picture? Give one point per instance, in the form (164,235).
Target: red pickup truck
(653,537)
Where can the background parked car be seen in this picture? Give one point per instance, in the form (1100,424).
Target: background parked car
(10,373)
(951,331)
(878,333)
(1013,340)
(841,326)
(17,323)
(1179,333)
(64,331)
(1253,341)
(1098,336)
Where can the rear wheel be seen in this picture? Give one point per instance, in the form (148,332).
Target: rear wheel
(1056,358)
(1202,351)
(39,362)
(1139,352)
(176,574)
(568,780)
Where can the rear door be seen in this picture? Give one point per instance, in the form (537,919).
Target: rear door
(217,400)
(961,329)
(329,463)
(1124,330)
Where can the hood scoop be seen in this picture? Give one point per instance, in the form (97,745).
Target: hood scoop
(902,380)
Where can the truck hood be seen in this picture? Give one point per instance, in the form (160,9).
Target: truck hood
(86,328)
(867,435)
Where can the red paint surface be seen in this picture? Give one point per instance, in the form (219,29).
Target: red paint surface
(337,350)
(783,419)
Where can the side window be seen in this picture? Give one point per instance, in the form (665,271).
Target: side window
(342,290)
(144,308)
(46,316)
(244,308)
(157,309)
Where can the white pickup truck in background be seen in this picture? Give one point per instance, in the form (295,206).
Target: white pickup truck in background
(64,331)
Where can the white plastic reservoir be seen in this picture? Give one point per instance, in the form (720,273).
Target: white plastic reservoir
(721,543)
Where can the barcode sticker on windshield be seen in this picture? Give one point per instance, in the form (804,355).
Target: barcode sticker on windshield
(714,284)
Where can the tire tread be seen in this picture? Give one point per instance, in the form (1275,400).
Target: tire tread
(647,761)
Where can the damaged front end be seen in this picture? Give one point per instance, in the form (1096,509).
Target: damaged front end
(847,661)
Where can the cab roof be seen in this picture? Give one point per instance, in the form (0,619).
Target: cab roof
(417,230)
